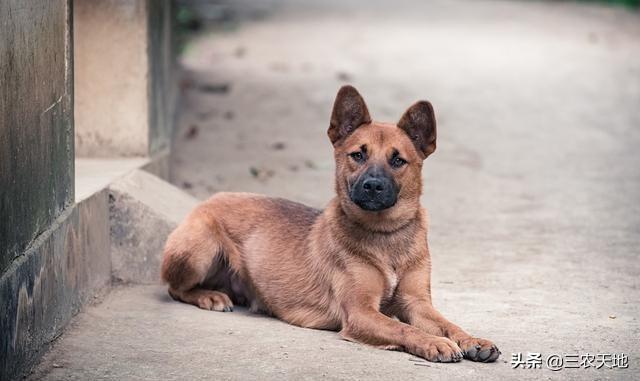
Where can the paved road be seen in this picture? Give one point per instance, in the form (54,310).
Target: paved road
(533,194)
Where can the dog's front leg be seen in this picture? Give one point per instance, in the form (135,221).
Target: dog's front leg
(414,307)
(363,322)
(420,313)
(369,326)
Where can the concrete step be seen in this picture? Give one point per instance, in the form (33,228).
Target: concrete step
(143,210)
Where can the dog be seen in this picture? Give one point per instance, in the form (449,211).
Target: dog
(361,266)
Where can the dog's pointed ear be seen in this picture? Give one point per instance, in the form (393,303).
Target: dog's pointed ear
(349,113)
(419,122)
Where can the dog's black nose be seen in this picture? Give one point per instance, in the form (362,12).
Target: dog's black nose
(375,190)
(373,185)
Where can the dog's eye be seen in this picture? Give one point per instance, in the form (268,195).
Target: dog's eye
(398,162)
(357,156)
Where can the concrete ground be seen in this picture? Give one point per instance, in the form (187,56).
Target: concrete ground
(533,192)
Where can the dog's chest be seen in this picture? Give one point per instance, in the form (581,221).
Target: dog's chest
(391,277)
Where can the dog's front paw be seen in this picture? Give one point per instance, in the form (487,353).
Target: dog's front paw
(441,349)
(479,350)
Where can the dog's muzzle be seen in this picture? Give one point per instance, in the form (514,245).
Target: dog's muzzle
(375,190)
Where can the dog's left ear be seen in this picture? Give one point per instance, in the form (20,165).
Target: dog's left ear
(419,122)
(349,113)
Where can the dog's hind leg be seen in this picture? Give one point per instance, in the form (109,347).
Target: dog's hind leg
(195,252)
(205,299)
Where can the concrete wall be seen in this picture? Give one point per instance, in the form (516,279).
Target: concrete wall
(123,81)
(65,268)
(55,256)
(143,211)
(36,121)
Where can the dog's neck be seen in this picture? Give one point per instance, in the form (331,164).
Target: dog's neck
(390,244)
(382,223)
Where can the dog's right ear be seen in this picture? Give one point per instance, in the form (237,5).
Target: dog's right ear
(419,122)
(349,113)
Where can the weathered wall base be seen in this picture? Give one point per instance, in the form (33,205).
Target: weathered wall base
(115,235)
(45,287)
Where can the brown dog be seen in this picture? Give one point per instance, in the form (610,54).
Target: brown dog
(352,267)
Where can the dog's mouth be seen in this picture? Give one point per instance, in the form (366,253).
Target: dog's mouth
(374,205)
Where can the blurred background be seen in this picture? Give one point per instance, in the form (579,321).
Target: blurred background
(533,193)
(537,105)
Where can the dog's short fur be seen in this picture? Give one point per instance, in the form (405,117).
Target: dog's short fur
(352,267)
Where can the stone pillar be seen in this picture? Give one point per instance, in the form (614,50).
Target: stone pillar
(36,172)
(123,78)
(36,120)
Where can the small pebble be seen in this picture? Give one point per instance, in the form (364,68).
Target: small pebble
(240,51)
(278,146)
(192,132)
(343,76)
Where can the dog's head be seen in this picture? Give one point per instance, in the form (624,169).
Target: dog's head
(379,165)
